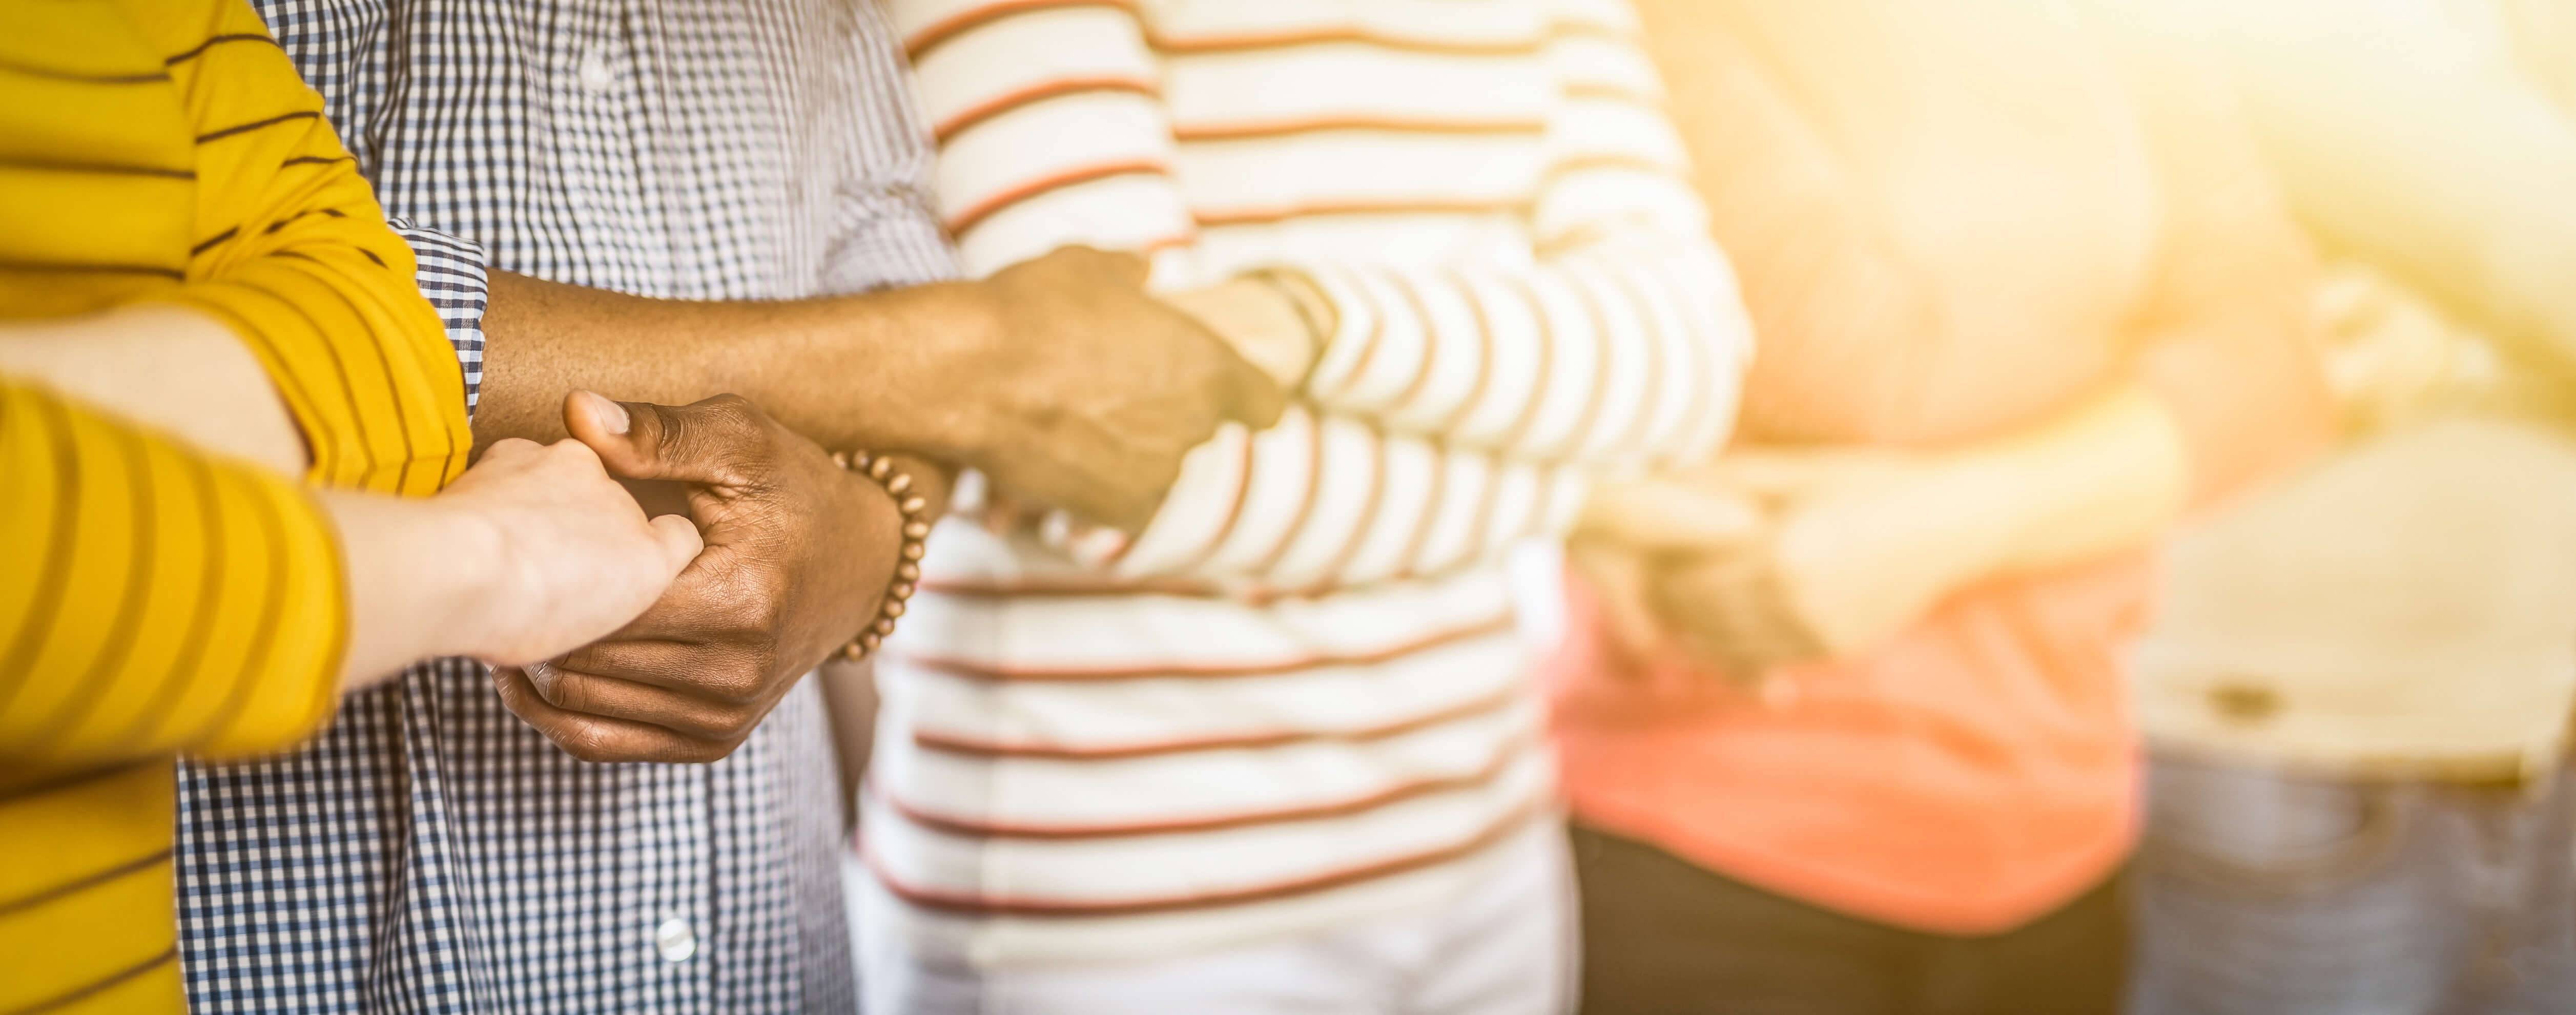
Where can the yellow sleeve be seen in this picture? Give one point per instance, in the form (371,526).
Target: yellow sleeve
(292,250)
(157,600)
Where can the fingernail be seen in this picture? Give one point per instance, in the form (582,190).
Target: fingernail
(611,415)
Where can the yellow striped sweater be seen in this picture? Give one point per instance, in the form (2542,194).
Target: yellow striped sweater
(154,600)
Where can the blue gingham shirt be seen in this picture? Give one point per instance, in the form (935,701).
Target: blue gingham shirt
(430,852)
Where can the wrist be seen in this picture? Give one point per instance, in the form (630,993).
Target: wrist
(416,573)
(894,496)
(914,368)
(470,579)
(952,411)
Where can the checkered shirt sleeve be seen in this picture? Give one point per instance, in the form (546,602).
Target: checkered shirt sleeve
(430,852)
(451,277)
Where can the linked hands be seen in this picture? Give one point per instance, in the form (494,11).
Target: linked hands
(798,555)
(1772,557)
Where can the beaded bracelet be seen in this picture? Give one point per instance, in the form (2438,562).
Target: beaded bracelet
(907,566)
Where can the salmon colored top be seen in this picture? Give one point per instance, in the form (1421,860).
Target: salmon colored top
(1950,223)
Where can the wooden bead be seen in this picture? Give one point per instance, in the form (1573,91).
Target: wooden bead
(853,652)
(913,506)
(900,590)
(879,468)
(908,571)
(841,458)
(916,529)
(899,482)
(912,551)
(893,608)
(871,639)
(884,626)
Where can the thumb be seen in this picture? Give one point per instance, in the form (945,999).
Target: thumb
(703,442)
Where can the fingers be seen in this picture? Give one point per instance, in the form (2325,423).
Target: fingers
(1094,481)
(598,738)
(591,694)
(706,442)
(1250,394)
(679,541)
(1731,611)
(718,673)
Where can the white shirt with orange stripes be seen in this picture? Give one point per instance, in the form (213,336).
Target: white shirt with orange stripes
(1295,698)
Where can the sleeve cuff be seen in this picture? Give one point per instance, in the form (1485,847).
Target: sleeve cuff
(452,278)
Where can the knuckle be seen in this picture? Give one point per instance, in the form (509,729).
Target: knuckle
(585,741)
(735,725)
(571,454)
(511,447)
(739,681)
(730,413)
(562,692)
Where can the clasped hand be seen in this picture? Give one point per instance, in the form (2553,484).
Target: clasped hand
(1767,558)
(1095,390)
(798,554)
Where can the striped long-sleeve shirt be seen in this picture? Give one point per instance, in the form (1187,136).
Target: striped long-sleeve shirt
(167,602)
(154,601)
(1295,695)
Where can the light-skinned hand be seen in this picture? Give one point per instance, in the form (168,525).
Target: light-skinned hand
(1773,557)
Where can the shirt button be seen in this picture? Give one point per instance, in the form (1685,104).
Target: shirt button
(595,75)
(675,940)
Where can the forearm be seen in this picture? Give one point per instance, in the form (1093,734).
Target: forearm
(170,367)
(1624,353)
(2105,477)
(864,371)
(2414,148)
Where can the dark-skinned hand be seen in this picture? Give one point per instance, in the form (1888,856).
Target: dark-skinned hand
(1096,389)
(798,555)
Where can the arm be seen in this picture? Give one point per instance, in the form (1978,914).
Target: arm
(166,366)
(1450,412)
(179,601)
(1621,346)
(2400,142)
(1058,378)
(1860,543)
(291,252)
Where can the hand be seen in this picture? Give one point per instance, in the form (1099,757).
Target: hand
(532,552)
(573,556)
(798,555)
(1098,389)
(1261,322)
(1851,548)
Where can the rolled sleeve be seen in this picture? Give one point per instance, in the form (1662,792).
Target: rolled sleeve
(453,278)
